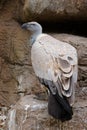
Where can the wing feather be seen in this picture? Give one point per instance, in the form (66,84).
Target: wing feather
(55,61)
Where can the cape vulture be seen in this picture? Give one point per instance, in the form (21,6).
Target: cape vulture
(55,64)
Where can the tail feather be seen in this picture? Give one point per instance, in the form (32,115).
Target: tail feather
(57,110)
(64,103)
(58,106)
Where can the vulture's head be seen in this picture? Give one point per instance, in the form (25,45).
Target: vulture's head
(33,27)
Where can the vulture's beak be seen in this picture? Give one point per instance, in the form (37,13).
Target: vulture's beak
(25,26)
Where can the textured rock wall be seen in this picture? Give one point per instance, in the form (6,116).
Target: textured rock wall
(16,74)
(15,65)
(55,10)
(31,114)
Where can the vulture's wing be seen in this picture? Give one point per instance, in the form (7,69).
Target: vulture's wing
(55,63)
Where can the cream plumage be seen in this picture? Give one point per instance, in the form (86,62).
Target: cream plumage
(55,64)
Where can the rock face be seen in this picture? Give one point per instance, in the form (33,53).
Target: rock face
(31,114)
(16,74)
(11,55)
(27,108)
(49,10)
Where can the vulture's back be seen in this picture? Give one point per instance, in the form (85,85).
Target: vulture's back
(46,54)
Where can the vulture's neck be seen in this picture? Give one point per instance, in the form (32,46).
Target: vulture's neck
(34,36)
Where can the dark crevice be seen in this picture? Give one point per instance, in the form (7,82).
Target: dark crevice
(70,27)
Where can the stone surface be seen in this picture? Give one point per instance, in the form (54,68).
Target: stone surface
(16,74)
(31,114)
(26,108)
(2,2)
(58,10)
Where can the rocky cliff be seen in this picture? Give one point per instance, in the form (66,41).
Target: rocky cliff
(16,74)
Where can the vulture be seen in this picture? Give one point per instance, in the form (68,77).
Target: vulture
(55,64)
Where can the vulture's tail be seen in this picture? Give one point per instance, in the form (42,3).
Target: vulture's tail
(59,108)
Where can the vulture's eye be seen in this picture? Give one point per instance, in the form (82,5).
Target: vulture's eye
(33,24)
